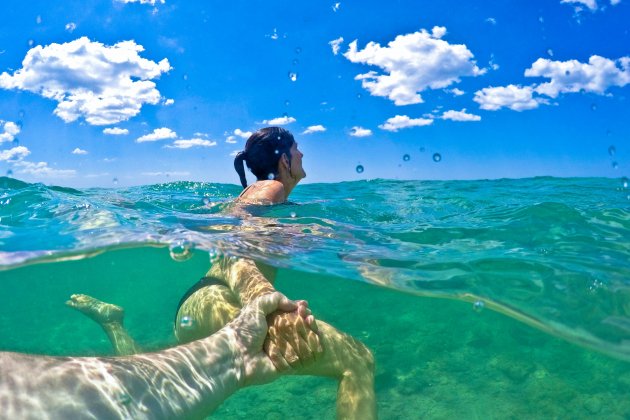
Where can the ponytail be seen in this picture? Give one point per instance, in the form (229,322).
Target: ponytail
(240,167)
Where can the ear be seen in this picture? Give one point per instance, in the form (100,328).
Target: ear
(285,160)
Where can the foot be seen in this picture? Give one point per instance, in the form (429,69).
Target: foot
(101,312)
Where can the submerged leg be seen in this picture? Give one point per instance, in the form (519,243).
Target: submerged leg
(110,318)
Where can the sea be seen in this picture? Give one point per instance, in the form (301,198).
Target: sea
(487,299)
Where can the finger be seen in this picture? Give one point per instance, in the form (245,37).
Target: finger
(276,356)
(310,321)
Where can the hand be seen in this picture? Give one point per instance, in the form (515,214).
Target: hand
(292,340)
(250,330)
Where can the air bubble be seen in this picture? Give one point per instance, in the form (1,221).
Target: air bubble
(115,180)
(615,165)
(213,255)
(186,322)
(9,172)
(293,215)
(293,76)
(437,157)
(593,107)
(624,182)
(287,103)
(271,176)
(298,50)
(359,96)
(38,20)
(181,250)
(30,42)
(612,150)
(550,52)
(567,73)
(295,61)
(360,169)
(15,142)
(478,306)
(277,151)
(422,149)
(21,114)
(185,76)
(285,115)
(406,158)
(206,201)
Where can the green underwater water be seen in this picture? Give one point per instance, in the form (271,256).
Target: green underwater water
(435,358)
(504,299)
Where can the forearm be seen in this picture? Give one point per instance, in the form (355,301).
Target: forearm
(243,277)
(187,381)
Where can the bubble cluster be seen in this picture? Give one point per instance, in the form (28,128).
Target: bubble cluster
(181,250)
(437,157)
(360,169)
(293,76)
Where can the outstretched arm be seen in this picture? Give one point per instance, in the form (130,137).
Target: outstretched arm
(185,381)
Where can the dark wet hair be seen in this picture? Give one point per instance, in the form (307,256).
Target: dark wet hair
(262,153)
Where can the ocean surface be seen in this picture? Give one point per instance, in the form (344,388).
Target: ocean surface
(479,299)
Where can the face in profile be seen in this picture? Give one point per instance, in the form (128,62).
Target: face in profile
(297,171)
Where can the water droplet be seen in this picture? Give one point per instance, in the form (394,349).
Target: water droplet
(422,149)
(615,165)
(608,132)
(21,114)
(293,76)
(550,52)
(359,96)
(15,142)
(287,103)
(206,201)
(185,76)
(115,180)
(271,176)
(186,322)
(30,42)
(295,61)
(567,73)
(38,20)
(276,151)
(285,115)
(624,182)
(181,250)
(293,215)
(298,50)
(478,306)
(406,158)
(612,150)
(594,107)
(20,124)
(437,157)
(9,172)
(360,169)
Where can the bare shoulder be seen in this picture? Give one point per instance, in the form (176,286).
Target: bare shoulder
(263,192)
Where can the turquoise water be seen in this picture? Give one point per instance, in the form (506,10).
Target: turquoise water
(536,320)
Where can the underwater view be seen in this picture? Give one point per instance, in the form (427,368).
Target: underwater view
(445,183)
(479,299)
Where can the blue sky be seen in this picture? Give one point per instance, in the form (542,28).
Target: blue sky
(122,92)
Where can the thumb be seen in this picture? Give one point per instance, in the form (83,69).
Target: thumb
(273,301)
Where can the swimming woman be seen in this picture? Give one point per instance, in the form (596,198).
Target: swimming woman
(273,156)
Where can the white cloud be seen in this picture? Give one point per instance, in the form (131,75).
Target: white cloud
(336,6)
(357,131)
(491,20)
(43,170)
(71,26)
(158,134)
(335,44)
(169,102)
(235,152)
(460,116)
(102,84)
(78,151)
(15,153)
(314,129)
(615,2)
(187,144)
(243,134)
(230,140)
(9,131)
(517,98)
(280,121)
(402,121)
(457,92)
(413,63)
(115,131)
(591,4)
(151,2)
(596,76)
